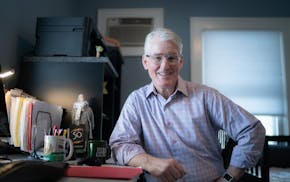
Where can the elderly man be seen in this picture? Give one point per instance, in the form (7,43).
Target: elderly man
(170,126)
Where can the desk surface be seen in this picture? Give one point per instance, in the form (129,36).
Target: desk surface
(106,173)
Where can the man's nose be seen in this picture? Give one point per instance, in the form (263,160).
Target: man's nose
(164,61)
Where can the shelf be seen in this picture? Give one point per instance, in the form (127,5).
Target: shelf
(60,79)
(108,65)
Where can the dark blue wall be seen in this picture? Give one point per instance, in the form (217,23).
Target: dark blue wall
(177,15)
(17,32)
(17,19)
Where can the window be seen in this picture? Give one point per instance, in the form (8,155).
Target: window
(244,60)
(129,26)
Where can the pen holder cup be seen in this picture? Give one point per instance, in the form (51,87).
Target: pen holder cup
(57,148)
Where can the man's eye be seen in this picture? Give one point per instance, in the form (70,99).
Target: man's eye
(171,58)
(158,58)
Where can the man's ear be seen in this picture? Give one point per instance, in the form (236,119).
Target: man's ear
(145,62)
(181,63)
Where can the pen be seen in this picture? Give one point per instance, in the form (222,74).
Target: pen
(59,132)
(54,130)
(64,132)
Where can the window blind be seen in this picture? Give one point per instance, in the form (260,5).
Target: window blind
(248,67)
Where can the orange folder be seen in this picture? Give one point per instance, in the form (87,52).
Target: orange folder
(107,172)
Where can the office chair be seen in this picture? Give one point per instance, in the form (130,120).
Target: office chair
(276,154)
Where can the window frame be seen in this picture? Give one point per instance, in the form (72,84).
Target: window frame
(200,24)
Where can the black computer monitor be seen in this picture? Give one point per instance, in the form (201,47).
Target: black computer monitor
(4,123)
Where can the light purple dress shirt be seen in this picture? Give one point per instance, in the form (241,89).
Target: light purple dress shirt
(185,127)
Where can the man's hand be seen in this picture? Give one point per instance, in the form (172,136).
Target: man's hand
(164,169)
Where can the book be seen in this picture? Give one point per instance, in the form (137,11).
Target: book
(105,172)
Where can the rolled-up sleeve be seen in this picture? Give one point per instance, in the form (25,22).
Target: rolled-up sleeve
(244,128)
(250,142)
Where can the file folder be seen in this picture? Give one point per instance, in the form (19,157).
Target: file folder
(30,119)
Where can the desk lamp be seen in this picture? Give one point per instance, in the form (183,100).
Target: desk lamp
(6,73)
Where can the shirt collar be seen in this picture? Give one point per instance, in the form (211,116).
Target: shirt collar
(150,90)
(181,87)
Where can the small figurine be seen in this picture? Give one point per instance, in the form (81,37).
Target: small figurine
(99,49)
(83,115)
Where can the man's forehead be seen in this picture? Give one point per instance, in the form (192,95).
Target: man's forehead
(159,46)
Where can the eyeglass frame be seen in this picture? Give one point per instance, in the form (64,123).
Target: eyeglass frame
(171,59)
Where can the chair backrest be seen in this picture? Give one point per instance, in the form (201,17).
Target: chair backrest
(276,154)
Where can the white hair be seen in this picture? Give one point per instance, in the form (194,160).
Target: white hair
(165,35)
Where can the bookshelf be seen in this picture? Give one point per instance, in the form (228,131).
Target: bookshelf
(59,80)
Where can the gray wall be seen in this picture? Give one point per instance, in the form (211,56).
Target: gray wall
(17,19)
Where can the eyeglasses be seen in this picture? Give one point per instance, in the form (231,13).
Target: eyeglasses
(157,59)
